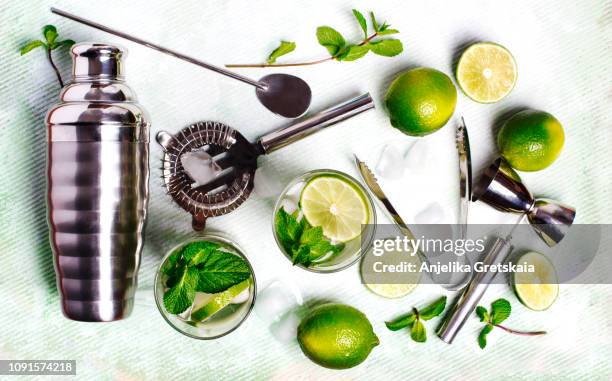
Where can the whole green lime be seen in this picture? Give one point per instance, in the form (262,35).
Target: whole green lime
(531,140)
(336,336)
(421,101)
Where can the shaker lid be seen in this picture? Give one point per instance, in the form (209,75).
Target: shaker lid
(91,60)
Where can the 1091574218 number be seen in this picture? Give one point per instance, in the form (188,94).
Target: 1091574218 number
(38,367)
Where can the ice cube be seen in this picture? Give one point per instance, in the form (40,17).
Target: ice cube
(417,158)
(285,329)
(266,184)
(276,300)
(431,214)
(390,163)
(200,167)
(242,297)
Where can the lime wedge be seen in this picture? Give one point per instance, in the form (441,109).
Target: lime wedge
(207,307)
(486,72)
(537,290)
(336,205)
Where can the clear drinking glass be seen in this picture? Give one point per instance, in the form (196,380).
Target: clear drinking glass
(220,323)
(353,249)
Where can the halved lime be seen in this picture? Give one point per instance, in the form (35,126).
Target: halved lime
(486,72)
(403,283)
(207,307)
(537,290)
(336,205)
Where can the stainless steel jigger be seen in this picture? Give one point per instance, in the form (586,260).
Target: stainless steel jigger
(97,186)
(501,187)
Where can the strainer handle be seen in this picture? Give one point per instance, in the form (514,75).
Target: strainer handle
(278,139)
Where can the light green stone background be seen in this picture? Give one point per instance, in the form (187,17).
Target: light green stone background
(563,50)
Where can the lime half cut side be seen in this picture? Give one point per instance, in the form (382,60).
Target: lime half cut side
(539,289)
(336,205)
(486,72)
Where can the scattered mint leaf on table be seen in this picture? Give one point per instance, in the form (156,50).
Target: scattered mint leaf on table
(374,22)
(414,320)
(482,336)
(482,313)
(200,266)
(338,47)
(417,332)
(50,34)
(331,39)
(434,309)
(386,48)
(303,242)
(500,311)
(362,22)
(285,47)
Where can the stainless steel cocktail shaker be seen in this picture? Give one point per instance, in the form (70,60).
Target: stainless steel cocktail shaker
(97,186)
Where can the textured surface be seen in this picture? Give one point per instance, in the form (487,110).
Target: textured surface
(563,51)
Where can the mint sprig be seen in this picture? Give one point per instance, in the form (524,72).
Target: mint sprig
(338,47)
(500,311)
(414,320)
(50,34)
(200,267)
(303,242)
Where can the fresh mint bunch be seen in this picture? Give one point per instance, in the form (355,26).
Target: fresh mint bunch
(338,47)
(50,34)
(200,267)
(304,242)
(414,320)
(500,311)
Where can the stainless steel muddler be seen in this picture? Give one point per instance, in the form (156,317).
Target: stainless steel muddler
(97,186)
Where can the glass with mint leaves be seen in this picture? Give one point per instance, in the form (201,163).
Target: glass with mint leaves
(205,287)
(324,221)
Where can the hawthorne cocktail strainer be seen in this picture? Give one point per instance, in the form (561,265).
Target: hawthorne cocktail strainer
(233,159)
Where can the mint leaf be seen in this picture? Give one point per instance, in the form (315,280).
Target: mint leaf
(302,256)
(387,48)
(401,322)
(288,230)
(374,23)
(285,47)
(197,252)
(50,33)
(362,22)
(417,332)
(67,43)
(387,32)
(312,236)
(171,263)
(218,270)
(500,311)
(30,46)
(353,52)
(180,296)
(434,309)
(323,247)
(330,39)
(482,337)
(482,313)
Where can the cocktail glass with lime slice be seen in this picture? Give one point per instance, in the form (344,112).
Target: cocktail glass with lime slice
(324,221)
(205,287)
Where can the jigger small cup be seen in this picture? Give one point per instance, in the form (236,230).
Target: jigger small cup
(502,188)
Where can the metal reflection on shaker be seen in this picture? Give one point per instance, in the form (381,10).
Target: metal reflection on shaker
(97,186)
